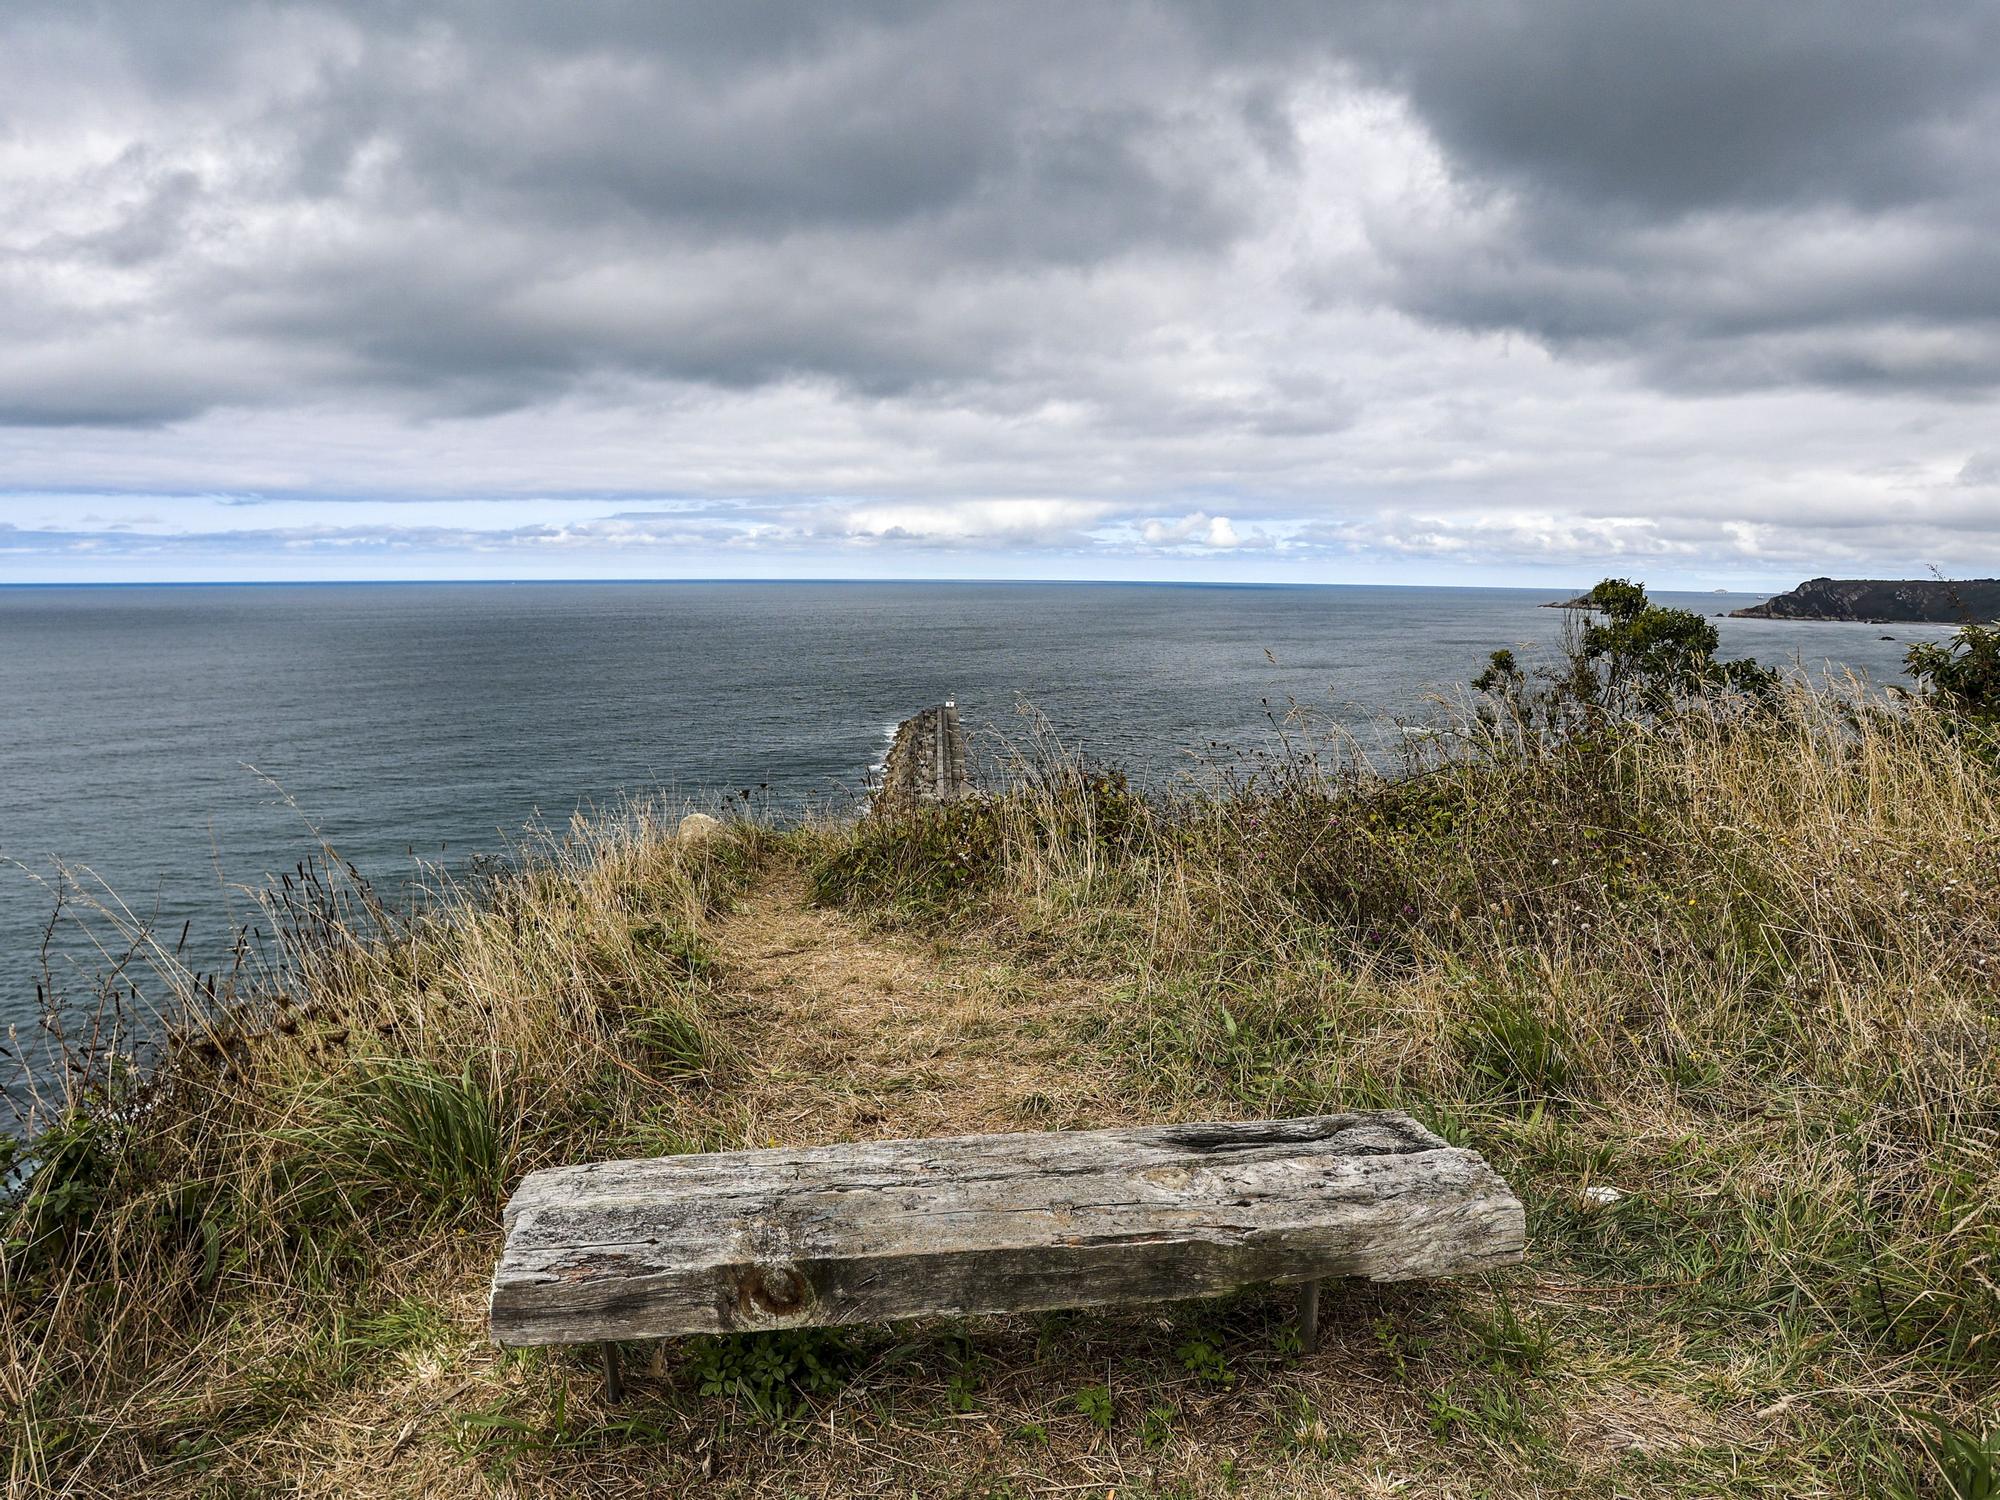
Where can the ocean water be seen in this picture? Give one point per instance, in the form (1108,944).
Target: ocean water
(171,743)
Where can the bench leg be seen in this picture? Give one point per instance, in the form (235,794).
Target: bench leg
(614,1378)
(1309,1317)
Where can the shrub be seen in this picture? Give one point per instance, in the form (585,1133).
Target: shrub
(51,1186)
(1963,673)
(1640,659)
(922,859)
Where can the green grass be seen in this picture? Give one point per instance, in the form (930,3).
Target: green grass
(399,1134)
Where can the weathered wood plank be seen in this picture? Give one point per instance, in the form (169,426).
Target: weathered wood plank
(881,1230)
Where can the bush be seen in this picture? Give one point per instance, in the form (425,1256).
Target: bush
(1639,660)
(1963,674)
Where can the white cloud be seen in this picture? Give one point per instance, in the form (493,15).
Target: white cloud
(1038,523)
(1198,528)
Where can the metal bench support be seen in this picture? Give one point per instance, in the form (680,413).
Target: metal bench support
(614,1377)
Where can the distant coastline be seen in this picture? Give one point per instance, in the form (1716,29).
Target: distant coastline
(1866,601)
(1875,601)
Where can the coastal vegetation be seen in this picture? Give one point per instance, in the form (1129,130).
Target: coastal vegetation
(1963,674)
(1705,960)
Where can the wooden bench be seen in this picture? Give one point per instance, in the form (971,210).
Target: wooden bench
(881,1230)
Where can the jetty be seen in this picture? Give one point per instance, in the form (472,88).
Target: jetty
(927,763)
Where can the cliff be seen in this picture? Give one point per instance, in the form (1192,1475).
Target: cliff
(1882,601)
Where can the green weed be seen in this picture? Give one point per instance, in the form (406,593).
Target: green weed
(1093,1402)
(1203,1358)
(1967,1464)
(774,1374)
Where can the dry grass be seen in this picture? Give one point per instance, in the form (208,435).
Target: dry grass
(1739,969)
(214,1251)
(1738,964)
(858,1034)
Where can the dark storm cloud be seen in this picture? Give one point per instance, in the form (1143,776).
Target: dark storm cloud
(473,208)
(1690,107)
(1736,194)
(480,206)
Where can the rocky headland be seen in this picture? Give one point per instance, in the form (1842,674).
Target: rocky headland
(1877,601)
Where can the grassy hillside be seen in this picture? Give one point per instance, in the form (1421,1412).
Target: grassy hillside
(1737,960)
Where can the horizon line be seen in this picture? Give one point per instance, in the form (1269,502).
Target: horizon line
(227,583)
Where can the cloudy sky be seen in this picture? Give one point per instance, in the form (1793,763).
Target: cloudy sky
(1706,292)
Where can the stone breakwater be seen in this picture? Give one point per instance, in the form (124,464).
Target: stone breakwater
(927,762)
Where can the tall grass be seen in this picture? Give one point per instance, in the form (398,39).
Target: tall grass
(180,1238)
(1737,962)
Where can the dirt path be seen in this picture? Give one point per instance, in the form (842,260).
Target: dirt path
(847,1031)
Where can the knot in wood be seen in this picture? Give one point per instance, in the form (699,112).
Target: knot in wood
(775,1291)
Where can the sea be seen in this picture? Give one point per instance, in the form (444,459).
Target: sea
(169,748)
